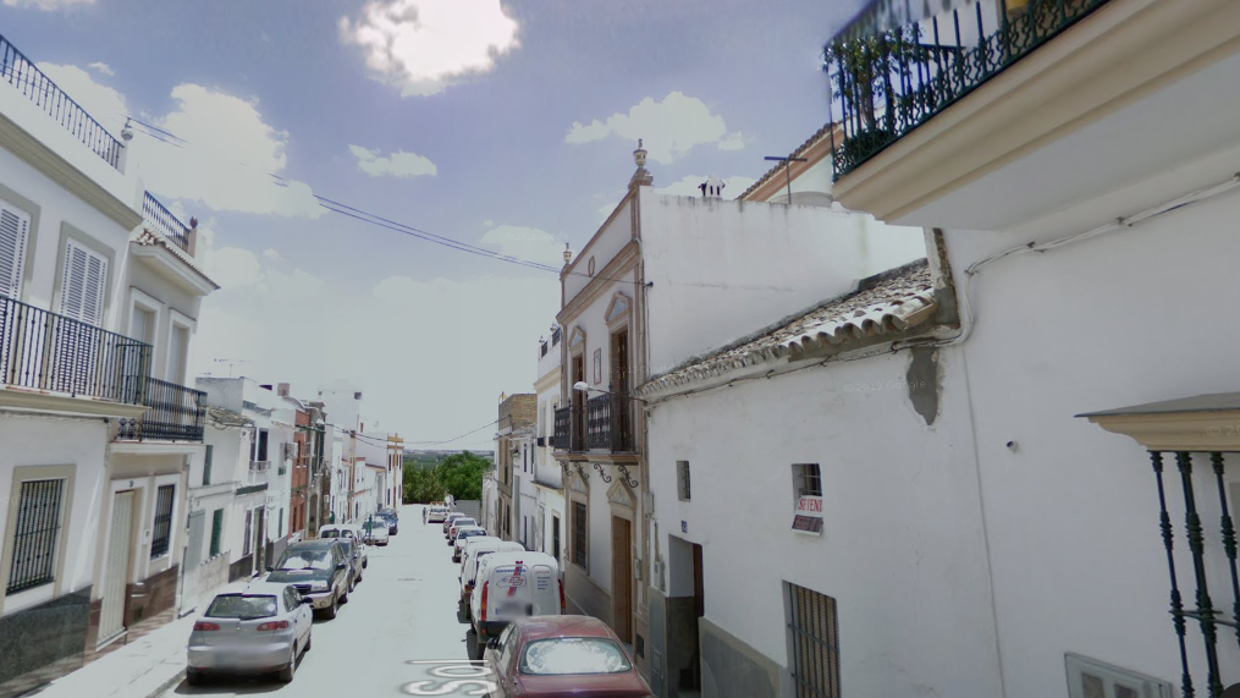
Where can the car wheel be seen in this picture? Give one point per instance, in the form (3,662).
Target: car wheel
(365,563)
(286,674)
(309,637)
(344,598)
(332,609)
(192,677)
(352,583)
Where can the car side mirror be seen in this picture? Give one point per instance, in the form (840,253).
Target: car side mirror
(343,566)
(493,642)
(307,600)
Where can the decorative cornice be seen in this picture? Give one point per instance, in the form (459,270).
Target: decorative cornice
(622,263)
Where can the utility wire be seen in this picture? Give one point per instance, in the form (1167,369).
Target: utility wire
(448,441)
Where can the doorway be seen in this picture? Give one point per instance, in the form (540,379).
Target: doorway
(621,405)
(622,578)
(686,607)
(578,432)
(116,572)
(260,540)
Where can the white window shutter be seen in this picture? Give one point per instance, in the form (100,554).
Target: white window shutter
(82,289)
(14,231)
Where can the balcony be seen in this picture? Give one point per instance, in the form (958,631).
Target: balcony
(604,423)
(890,84)
(176,414)
(159,219)
(23,76)
(44,352)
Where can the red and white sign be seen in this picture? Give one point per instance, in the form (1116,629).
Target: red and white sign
(809,506)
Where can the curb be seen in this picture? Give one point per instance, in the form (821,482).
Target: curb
(176,679)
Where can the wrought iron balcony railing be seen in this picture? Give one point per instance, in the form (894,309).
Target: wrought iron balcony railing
(23,76)
(176,414)
(44,351)
(162,221)
(603,423)
(563,418)
(889,84)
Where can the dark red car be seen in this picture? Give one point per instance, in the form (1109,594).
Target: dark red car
(562,657)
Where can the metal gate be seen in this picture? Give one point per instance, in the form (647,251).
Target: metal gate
(193,554)
(116,575)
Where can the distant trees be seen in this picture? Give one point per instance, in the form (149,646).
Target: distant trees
(460,475)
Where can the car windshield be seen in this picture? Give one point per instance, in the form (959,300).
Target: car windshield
(242,607)
(306,560)
(574,655)
(461,523)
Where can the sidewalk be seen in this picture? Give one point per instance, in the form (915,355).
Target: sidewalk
(144,668)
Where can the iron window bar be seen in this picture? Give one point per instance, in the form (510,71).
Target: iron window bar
(35,535)
(163,521)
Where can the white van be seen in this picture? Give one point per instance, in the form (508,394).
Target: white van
(513,585)
(476,549)
(347,531)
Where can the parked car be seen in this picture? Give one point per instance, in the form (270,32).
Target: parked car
(457,525)
(375,531)
(260,630)
(452,516)
(392,518)
(560,656)
(347,531)
(472,553)
(319,569)
(513,585)
(463,534)
(353,548)
(436,513)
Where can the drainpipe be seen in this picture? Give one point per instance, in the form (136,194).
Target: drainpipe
(181,613)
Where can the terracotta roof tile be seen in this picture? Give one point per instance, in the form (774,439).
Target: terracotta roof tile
(887,303)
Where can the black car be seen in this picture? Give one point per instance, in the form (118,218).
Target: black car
(389,516)
(320,570)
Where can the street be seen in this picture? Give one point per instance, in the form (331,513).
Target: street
(403,610)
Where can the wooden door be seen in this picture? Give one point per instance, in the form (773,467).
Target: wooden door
(622,578)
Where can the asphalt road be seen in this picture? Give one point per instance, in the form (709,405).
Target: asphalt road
(403,611)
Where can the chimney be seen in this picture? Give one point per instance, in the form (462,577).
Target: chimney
(712,188)
(191,237)
(282,389)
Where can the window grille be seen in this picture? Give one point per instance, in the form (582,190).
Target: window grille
(217,530)
(35,534)
(579,533)
(163,521)
(814,636)
(682,479)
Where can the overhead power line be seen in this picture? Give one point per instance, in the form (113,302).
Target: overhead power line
(448,441)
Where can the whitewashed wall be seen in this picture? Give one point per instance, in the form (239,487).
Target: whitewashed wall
(902,550)
(32,441)
(1131,317)
(725,269)
(56,208)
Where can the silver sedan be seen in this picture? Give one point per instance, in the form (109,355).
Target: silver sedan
(261,630)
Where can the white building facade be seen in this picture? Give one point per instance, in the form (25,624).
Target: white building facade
(667,279)
(548,476)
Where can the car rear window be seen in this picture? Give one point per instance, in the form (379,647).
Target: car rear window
(332,533)
(243,607)
(306,560)
(574,655)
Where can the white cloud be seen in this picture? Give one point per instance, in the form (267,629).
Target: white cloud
(734,141)
(294,327)
(530,244)
(398,164)
(688,186)
(227,162)
(423,46)
(103,68)
(669,129)
(234,268)
(47,4)
(273,255)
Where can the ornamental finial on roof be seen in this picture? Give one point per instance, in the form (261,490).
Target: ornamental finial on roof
(639,155)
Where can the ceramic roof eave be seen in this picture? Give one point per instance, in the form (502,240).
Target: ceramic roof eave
(897,307)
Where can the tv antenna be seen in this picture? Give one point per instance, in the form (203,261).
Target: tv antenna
(231,363)
(787,170)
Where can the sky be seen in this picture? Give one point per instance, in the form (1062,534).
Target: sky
(507,125)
